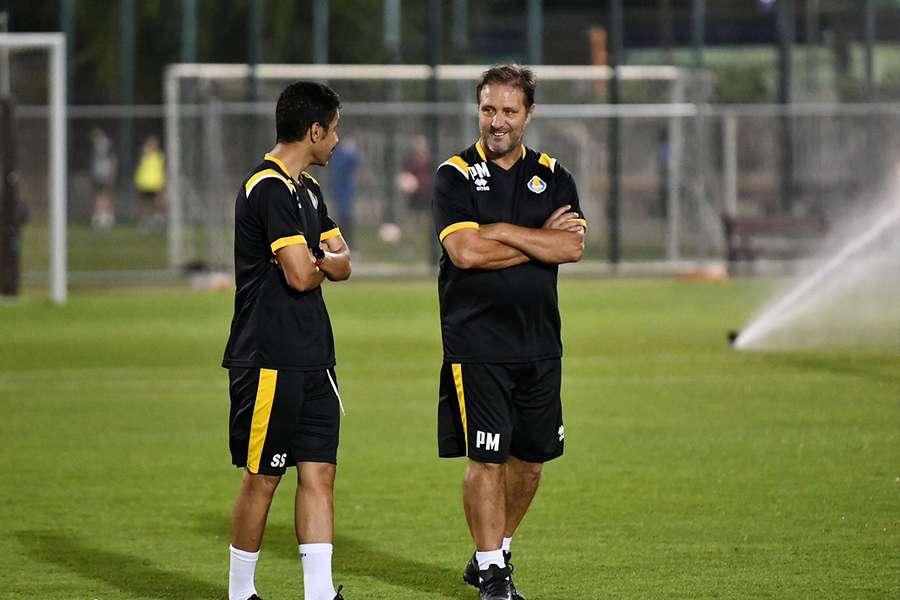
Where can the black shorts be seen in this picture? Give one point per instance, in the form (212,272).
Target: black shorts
(280,418)
(489,412)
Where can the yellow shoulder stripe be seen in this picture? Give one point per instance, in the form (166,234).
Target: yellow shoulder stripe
(480,150)
(457,163)
(287,241)
(278,162)
(456,227)
(330,234)
(547,161)
(266,174)
(310,177)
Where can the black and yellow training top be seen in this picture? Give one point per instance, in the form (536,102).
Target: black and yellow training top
(506,315)
(275,326)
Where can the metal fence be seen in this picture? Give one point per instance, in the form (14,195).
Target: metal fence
(684,167)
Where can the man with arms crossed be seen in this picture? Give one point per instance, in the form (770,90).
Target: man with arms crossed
(506,216)
(285,407)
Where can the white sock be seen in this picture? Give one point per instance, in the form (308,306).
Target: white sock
(507,542)
(316,560)
(240,574)
(493,557)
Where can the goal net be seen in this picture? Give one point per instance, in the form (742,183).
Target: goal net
(220,122)
(33,159)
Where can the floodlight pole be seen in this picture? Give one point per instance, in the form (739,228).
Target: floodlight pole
(812,46)
(5,85)
(666,30)
(188,31)
(698,35)
(872,129)
(698,30)
(126,92)
(67,26)
(254,46)
(869,32)
(320,31)
(614,144)
(460,28)
(433,93)
(535,32)
(391,39)
(785,27)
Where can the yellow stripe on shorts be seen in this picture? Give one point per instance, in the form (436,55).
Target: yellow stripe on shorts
(461,397)
(262,409)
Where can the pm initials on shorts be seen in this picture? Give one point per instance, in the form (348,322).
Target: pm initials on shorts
(488,441)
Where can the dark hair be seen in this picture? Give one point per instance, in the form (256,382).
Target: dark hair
(300,105)
(511,74)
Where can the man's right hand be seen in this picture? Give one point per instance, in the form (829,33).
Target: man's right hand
(564,219)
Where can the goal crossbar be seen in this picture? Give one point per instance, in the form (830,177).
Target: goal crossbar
(412,72)
(675,110)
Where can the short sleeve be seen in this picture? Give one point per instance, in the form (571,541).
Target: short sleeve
(327,225)
(566,192)
(453,207)
(277,208)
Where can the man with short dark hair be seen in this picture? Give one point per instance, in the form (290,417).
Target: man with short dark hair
(285,406)
(506,216)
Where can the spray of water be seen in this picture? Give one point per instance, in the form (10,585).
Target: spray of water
(850,295)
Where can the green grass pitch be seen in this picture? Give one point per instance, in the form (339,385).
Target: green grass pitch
(691,471)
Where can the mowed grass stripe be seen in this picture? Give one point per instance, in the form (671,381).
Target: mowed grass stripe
(691,471)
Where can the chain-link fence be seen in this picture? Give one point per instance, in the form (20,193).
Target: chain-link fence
(787,175)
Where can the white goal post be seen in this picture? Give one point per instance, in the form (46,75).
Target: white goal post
(57,173)
(674,106)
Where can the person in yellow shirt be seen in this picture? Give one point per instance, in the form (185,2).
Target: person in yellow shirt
(150,181)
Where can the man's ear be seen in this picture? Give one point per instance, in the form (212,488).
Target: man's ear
(315,133)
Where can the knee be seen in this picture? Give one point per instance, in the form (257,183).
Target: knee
(318,476)
(259,484)
(529,470)
(479,470)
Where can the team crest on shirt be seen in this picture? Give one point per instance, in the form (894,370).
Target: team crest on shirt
(537,185)
(313,199)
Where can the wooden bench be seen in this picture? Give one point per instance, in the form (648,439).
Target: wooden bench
(748,238)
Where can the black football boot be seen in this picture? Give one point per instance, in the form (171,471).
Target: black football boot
(470,575)
(493,583)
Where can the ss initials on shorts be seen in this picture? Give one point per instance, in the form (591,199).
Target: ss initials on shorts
(278,460)
(490,441)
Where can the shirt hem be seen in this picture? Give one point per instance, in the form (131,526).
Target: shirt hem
(249,364)
(449,358)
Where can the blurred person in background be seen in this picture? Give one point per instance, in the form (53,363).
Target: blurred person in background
(285,405)
(415,181)
(507,217)
(103,179)
(344,166)
(150,181)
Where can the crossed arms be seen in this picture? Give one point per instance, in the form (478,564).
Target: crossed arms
(501,245)
(304,273)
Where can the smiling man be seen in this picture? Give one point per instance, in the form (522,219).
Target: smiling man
(285,407)
(506,216)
